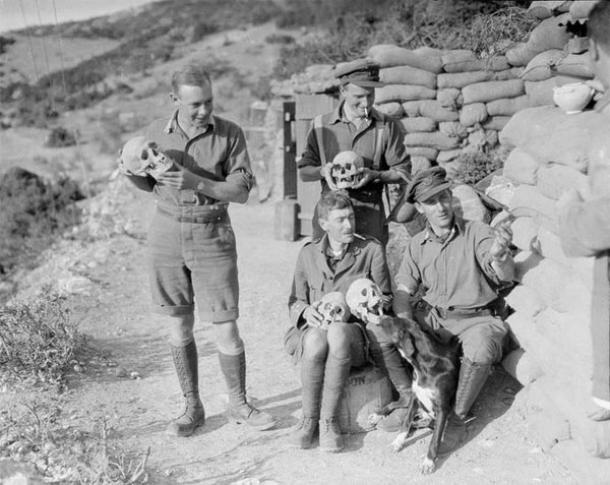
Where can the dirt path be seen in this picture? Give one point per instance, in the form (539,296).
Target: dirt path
(117,318)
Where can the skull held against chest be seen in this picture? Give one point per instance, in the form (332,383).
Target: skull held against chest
(141,156)
(333,308)
(365,300)
(345,170)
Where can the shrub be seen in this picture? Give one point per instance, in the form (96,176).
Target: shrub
(476,166)
(279,39)
(60,137)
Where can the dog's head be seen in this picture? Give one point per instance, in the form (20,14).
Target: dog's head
(398,330)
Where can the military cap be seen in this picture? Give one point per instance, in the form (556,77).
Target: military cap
(427,183)
(362,72)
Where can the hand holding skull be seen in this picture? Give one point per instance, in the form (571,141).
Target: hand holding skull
(366,175)
(141,157)
(181,178)
(345,171)
(331,308)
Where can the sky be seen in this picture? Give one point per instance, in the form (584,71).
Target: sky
(16,14)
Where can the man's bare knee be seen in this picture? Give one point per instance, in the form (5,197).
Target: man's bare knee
(228,339)
(180,329)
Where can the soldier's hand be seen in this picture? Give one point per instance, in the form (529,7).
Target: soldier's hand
(368,176)
(312,316)
(179,179)
(503,236)
(325,174)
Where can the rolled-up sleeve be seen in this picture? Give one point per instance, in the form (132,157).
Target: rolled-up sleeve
(408,275)
(311,154)
(395,154)
(237,164)
(379,271)
(298,300)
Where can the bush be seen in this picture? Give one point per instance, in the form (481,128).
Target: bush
(476,166)
(33,213)
(279,39)
(60,137)
(38,338)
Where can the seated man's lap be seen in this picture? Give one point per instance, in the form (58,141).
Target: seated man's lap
(482,339)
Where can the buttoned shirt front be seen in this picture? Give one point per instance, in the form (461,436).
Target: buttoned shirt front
(455,272)
(218,152)
(314,277)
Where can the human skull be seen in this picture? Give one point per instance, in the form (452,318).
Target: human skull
(333,308)
(365,300)
(141,156)
(345,169)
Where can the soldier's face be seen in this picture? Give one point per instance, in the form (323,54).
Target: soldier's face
(195,104)
(359,99)
(339,225)
(438,209)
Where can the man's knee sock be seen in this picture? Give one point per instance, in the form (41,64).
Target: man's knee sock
(336,373)
(233,368)
(312,379)
(185,362)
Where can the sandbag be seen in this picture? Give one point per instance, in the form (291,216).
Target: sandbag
(496,122)
(418,124)
(450,98)
(435,140)
(512,73)
(393,109)
(549,246)
(520,54)
(542,66)
(527,199)
(461,79)
(496,63)
(577,65)
(419,151)
(413,108)
(467,204)
(507,106)
(525,261)
(491,90)
(501,189)
(553,180)
(547,8)
(483,139)
(407,75)
(453,129)
(472,114)
(525,233)
(400,92)
(521,167)
(547,279)
(387,55)
(525,301)
(551,33)
(580,9)
(541,92)
(550,135)
(432,109)
(445,156)
(419,164)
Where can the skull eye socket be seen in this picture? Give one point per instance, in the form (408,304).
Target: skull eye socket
(144,155)
(363,292)
(348,166)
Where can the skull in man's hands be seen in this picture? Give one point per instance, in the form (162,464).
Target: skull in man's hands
(333,308)
(141,156)
(345,170)
(365,300)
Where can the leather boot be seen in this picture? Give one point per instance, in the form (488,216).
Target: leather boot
(312,379)
(336,373)
(185,362)
(240,410)
(472,378)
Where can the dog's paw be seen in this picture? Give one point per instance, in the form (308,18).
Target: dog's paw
(374,419)
(427,466)
(399,442)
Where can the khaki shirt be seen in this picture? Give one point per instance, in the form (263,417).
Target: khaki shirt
(217,152)
(313,277)
(455,273)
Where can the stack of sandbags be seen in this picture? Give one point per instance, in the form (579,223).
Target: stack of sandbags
(552,152)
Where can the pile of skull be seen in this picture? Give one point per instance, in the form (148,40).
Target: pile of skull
(363,300)
(142,157)
(345,170)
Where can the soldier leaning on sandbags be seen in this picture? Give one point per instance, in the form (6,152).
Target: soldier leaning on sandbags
(585,225)
(356,126)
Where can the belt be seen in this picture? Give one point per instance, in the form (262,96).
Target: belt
(218,214)
(457,313)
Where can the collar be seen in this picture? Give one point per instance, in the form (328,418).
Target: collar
(337,114)
(603,102)
(172,125)
(353,247)
(456,229)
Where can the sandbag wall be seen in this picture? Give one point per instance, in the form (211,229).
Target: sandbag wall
(552,152)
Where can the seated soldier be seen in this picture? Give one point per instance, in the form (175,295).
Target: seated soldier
(460,266)
(329,264)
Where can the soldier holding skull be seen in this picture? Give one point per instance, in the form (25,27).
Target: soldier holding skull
(195,166)
(377,153)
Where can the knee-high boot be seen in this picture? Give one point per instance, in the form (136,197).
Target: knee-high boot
(240,410)
(185,362)
(312,379)
(336,373)
(472,379)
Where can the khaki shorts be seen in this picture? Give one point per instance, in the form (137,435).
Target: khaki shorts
(193,258)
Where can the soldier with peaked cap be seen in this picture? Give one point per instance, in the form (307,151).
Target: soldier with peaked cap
(355,125)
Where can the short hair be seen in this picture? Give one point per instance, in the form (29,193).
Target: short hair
(598,25)
(190,75)
(336,199)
